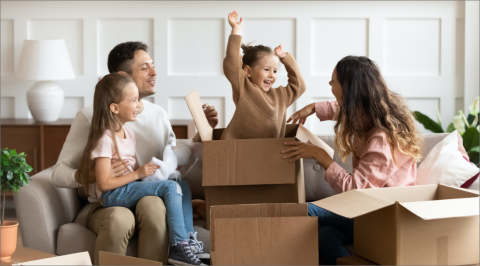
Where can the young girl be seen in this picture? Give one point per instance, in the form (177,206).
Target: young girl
(375,125)
(260,109)
(116,102)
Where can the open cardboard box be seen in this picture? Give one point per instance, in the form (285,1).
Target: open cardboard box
(419,225)
(263,234)
(83,258)
(248,171)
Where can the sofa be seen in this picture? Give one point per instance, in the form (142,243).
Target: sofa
(53,220)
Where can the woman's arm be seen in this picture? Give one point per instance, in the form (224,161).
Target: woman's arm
(232,64)
(106,181)
(327,110)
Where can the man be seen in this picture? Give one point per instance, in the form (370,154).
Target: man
(153,131)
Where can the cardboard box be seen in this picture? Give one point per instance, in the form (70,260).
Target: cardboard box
(263,234)
(354,260)
(419,225)
(83,258)
(249,170)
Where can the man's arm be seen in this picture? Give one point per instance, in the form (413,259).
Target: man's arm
(64,171)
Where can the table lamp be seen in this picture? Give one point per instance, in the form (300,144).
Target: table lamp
(45,61)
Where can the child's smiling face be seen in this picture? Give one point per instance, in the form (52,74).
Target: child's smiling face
(264,73)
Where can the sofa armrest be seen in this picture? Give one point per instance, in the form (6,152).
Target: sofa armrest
(41,209)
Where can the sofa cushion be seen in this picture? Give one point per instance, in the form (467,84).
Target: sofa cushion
(74,238)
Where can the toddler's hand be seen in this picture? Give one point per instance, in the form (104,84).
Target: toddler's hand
(147,170)
(232,20)
(279,52)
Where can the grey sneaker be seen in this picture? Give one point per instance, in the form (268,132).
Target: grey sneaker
(197,246)
(182,254)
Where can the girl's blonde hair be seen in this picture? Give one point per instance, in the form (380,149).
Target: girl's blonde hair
(111,89)
(367,103)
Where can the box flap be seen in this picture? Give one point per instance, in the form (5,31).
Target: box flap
(353,203)
(195,106)
(303,134)
(107,258)
(441,209)
(82,258)
(266,241)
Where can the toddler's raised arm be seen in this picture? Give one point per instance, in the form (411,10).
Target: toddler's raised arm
(296,85)
(232,64)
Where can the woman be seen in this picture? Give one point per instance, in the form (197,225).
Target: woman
(375,125)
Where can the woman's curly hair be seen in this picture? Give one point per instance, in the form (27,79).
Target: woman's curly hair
(367,103)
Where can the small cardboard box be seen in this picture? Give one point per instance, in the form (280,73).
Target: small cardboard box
(263,234)
(419,225)
(83,258)
(248,171)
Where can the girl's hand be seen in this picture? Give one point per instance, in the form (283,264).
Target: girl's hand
(147,170)
(307,150)
(279,52)
(232,20)
(301,116)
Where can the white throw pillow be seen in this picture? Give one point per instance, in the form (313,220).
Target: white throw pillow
(445,164)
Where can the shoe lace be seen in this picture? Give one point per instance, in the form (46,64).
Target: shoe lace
(190,254)
(198,248)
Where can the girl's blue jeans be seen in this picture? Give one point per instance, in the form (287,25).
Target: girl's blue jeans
(179,207)
(333,231)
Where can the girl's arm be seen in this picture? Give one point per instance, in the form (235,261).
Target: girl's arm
(232,64)
(107,182)
(296,85)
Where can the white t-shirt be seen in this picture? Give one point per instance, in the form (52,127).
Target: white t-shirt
(152,129)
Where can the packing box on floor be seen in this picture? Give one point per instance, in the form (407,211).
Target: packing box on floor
(419,225)
(249,171)
(263,234)
(83,258)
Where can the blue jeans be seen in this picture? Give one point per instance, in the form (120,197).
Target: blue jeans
(333,231)
(179,207)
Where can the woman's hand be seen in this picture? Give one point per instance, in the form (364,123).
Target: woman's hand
(118,168)
(279,52)
(147,170)
(236,26)
(301,116)
(299,150)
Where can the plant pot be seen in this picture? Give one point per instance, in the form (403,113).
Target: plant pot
(8,239)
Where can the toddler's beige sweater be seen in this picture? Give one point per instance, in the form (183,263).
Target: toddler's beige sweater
(259,114)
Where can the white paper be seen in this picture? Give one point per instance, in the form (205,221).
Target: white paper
(82,258)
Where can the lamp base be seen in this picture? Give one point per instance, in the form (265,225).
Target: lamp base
(45,101)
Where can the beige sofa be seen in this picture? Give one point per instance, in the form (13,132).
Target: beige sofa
(53,219)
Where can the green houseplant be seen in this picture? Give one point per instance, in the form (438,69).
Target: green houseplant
(467,127)
(14,174)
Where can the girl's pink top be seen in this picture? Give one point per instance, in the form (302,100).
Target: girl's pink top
(372,161)
(126,148)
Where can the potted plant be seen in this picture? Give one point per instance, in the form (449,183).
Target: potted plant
(468,127)
(14,174)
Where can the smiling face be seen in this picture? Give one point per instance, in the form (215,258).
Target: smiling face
(143,73)
(337,89)
(126,110)
(264,73)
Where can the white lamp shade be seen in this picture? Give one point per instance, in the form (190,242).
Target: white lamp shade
(44,60)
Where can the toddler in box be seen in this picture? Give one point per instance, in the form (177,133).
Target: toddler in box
(260,109)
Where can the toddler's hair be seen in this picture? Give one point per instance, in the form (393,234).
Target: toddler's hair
(251,54)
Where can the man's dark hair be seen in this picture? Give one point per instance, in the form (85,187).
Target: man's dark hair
(120,58)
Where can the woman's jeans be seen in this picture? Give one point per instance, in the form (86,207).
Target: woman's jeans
(333,231)
(179,207)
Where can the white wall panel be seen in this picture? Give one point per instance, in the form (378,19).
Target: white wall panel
(71,106)
(111,32)
(178,109)
(427,107)
(69,29)
(412,47)
(8,107)
(7,47)
(333,39)
(271,32)
(195,47)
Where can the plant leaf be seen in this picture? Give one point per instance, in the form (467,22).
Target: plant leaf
(9,175)
(13,153)
(27,176)
(450,128)
(470,138)
(428,123)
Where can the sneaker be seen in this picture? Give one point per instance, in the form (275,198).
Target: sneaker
(182,254)
(197,246)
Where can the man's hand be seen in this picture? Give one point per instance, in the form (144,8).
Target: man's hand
(279,52)
(211,114)
(236,26)
(118,168)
